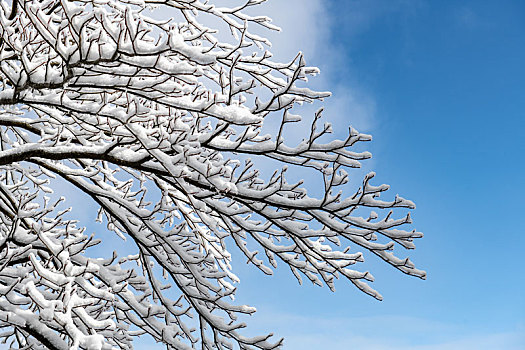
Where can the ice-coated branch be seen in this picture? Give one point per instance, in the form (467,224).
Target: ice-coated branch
(145,114)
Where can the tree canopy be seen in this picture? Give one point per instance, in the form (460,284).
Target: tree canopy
(157,117)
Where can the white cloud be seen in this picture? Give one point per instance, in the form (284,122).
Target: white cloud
(499,341)
(386,332)
(466,18)
(307,26)
(304,24)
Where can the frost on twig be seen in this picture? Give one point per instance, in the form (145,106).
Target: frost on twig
(144,116)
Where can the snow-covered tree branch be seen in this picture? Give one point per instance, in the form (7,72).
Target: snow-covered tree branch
(153,118)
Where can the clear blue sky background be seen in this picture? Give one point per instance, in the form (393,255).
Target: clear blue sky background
(444,90)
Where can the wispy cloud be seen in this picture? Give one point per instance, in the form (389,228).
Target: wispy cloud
(307,26)
(500,341)
(466,17)
(386,332)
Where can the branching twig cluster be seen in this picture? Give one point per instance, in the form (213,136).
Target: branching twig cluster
(144,115)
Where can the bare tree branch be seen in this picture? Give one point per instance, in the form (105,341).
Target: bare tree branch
(146,117)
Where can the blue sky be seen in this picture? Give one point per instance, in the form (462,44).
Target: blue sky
(441,87)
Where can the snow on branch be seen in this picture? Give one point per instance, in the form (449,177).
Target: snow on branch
(146,117)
